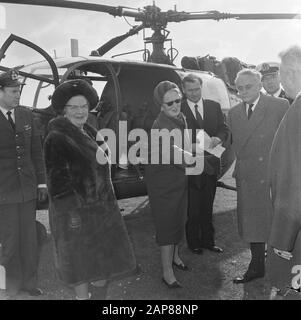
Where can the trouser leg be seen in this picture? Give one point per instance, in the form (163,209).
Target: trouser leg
(206,213)
(9,238)
(257,263)
(28,244)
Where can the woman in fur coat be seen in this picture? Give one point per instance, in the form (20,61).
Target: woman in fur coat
(90,238)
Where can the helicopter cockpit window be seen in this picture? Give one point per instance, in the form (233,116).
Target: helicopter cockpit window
(37,93)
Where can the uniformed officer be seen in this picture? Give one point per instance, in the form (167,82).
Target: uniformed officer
(22,182)
(271,80)
(253,123)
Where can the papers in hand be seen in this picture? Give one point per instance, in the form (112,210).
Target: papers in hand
(204,141)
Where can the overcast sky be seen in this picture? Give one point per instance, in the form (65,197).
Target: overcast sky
(250,41)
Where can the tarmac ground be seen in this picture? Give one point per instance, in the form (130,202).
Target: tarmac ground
(210,276)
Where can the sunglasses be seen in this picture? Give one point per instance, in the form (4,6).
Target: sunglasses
(170,103)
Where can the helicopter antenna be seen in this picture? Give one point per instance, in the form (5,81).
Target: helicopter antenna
(54,53)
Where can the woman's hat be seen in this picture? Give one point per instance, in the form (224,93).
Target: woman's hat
(72,88)
(160,90)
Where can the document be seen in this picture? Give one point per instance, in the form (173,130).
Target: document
(204,141)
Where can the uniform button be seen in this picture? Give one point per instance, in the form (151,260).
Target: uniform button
(18,147)
(260,158)
(19,157)
(261,135)
(17,136)
(262,181)
(19,168)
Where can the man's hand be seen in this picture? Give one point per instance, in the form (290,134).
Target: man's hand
(42,194)
(283,254)
(214,142)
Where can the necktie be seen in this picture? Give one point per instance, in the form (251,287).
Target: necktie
(250,111)
(198,116)
(10,120)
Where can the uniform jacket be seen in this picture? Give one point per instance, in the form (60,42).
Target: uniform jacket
(214,125)
(21,162)
(80,187)
(252,141)
(285,182)
(284,96)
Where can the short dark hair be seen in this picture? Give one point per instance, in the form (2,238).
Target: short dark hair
(191,78)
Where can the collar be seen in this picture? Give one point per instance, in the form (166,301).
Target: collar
(192,104)
(276,94)
(200,105)
(4,111)
(255,102)
(298,95)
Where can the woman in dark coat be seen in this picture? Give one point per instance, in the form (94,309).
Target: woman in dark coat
(167,183)
(90,238)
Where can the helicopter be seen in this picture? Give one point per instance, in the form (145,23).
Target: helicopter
(126,86)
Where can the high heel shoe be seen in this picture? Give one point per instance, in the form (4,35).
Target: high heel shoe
(173,285)
(180,266)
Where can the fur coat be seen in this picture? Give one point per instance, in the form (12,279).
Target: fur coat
(91,240)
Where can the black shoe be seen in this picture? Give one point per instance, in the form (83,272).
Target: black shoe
(173,285)
(34,292)
(214,249)
(196,250)
(248,277)
(180,266)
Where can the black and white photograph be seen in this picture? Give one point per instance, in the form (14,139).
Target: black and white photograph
(150,153)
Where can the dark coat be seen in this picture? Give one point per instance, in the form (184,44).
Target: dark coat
(79,187)
(252,141)
(167,190)
(285,183)
(214,125)
(21,162)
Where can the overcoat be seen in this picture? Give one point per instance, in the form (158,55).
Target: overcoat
(252,140)
(80,187)
(167,189)
(285,183)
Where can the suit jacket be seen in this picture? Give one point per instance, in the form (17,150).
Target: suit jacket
(214,124)
(252,141)
(21,160)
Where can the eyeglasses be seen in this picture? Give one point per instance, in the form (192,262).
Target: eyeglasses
(74,107)
(170,103)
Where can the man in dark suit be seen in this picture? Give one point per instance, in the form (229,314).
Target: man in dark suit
(22,181)
(207,115)
(271,81)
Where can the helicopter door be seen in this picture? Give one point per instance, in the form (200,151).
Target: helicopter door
(54,79)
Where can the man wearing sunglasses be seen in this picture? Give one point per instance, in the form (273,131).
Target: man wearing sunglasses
(207,115)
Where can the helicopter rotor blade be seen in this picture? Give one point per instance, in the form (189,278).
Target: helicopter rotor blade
(115,11)
(216,15)
(115,41)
